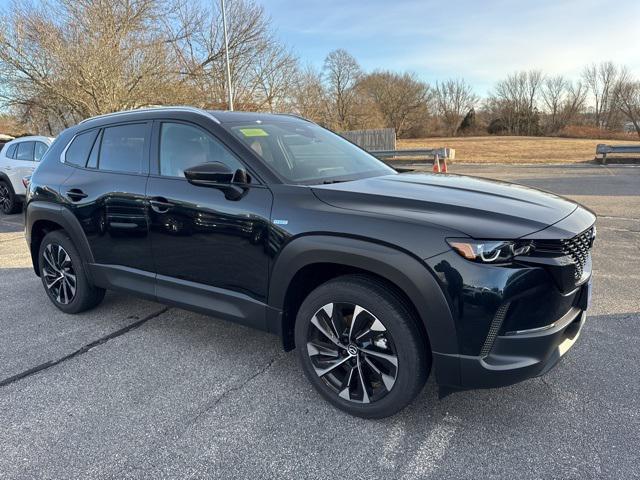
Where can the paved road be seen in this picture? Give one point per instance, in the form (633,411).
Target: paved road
(136,390)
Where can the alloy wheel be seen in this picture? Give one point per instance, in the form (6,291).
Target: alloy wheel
(352,352)
(59,275)
(5,198)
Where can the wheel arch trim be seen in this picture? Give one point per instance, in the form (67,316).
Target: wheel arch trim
(406,272)
(52,212)
(4,178)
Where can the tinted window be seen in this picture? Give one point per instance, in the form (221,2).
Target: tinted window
(25,151)
(122,148)
(11,150)
(39,150)
(78,151)
(302,152)
(184,146)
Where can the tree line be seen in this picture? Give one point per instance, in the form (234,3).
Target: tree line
(65,60)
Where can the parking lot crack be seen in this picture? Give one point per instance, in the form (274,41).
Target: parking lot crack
(234,388)
(82,350)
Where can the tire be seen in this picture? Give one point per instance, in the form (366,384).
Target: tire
(63,274)
(9,204)
(383,325)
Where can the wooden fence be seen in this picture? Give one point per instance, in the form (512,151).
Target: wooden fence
(372,140)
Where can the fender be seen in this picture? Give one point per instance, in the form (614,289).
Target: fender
(62,216)
(3,177)
(405,271)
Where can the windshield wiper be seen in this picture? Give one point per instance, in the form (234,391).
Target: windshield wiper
(328,182)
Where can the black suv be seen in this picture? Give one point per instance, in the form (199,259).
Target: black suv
(274,222)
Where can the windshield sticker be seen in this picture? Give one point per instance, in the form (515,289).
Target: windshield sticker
(254,132)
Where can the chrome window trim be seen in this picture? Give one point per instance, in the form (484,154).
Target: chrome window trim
(64,152)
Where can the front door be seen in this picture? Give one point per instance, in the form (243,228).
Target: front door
(210,252)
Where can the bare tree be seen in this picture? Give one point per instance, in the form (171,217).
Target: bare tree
(261,68)
(275,72)
(573,104)
(553,92)
(69,59)
(601,80)
(341,73)
(308,96)
(454,98)
(514,103)
(563,100)
(65,60)
(400,99)
(627,94)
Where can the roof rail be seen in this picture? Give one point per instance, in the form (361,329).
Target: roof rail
(155,109)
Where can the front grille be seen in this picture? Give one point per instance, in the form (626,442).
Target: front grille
(576,248)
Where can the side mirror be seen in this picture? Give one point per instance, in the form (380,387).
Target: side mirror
(218,175)
(209,173)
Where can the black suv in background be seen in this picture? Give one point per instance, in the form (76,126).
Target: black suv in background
(276,223)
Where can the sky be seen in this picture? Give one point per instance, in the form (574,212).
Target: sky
(481,41)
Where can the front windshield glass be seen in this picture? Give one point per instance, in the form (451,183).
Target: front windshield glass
(302,152)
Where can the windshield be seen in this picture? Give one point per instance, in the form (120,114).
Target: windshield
(302,152)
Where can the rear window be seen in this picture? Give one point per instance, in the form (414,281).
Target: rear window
(11,150)
(25,151)
(78,151)
(122,148)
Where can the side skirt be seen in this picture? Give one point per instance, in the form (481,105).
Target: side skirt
(197,297)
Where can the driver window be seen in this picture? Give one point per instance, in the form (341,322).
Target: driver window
(184,146)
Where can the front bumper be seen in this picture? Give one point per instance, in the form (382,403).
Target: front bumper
(514,357)
(516,321)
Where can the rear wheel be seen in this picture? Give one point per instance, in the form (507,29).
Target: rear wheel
(63,275)
(9,204)
(361,347)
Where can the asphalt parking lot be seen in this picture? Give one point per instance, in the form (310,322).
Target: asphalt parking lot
(134,389)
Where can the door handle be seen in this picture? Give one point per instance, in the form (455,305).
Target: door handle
(75,194)
(160,205)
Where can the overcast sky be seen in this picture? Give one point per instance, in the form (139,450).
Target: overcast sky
(480,40)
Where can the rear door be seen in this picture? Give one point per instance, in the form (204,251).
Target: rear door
(22,165)
(106,192)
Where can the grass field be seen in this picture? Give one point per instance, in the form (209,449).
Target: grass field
(496,149)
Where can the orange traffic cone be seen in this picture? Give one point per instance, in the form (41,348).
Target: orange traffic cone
(436,164)
(444,165)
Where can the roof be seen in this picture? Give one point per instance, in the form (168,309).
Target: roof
(41,138)
(220,116)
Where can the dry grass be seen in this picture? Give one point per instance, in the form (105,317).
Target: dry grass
(497,149)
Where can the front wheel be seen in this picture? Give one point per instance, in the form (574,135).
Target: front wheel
(361,347)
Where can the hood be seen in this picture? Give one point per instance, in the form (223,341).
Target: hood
(476,207)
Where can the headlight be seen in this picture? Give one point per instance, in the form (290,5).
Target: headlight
(489,251)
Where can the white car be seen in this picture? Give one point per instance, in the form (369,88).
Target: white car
(18,159)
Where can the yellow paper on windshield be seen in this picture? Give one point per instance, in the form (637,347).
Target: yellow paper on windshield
(254,132)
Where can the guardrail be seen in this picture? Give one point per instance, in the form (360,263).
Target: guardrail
(430,153)
(604,150)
